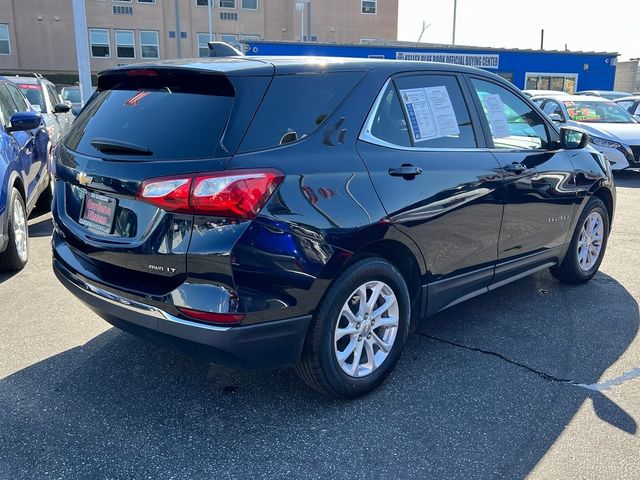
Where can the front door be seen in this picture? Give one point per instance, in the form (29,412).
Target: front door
(437,181)
(539,181)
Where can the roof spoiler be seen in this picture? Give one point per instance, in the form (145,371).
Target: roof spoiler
(222,49)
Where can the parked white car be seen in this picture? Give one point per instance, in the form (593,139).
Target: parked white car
(613,130)
(538,93)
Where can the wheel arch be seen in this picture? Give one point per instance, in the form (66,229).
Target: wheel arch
(408,262)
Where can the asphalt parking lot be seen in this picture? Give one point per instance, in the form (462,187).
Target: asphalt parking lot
(536,379)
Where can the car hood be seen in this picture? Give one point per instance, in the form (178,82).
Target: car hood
(626,132)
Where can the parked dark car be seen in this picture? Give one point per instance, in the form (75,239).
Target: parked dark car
(24,173)
(267,212)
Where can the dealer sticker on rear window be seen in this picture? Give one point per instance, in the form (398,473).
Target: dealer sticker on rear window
(430,112)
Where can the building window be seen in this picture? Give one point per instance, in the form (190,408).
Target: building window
(146,1)
(229,16)
(370,7)
(204,3)
(122,10)
(149,44)
(203,47)
(227,3)
(565,82)
(250,38)
(99,40)
(250,4)
(5,44)
(230,39)
(125,44)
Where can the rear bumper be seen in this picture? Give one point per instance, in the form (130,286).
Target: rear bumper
(267,345)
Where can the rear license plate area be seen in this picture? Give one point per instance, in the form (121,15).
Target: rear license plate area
(98,212)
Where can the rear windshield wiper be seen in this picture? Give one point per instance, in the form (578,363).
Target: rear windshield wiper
(116,147)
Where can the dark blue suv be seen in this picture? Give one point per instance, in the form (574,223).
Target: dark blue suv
(24,173)
(267,212)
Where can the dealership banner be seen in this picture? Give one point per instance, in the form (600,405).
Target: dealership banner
(468,59)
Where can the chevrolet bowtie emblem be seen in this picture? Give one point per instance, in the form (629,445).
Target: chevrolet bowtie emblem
(84,179)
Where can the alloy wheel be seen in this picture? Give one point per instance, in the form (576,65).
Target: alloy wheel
(20,234)
(590,241)
(366,329)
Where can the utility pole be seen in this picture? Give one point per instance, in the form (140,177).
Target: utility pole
(455,14)
(178,46)
(309,21)
(82,49)
(209,13)
(542,39)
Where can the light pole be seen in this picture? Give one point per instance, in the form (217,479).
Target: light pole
(82,49)
(300,7)
(455,14)
(209,13)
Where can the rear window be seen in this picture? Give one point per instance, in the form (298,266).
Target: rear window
(33,93)
(296,105)
(171,116)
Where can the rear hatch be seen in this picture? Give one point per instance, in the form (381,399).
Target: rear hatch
(145,123)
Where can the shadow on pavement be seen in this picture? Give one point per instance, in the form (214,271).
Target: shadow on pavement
(118,407)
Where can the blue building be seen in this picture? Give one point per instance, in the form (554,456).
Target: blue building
(527,69)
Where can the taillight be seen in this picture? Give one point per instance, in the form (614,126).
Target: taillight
(230,193)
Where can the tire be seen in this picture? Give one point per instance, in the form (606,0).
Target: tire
(573,270)
(319,365)
(15,258)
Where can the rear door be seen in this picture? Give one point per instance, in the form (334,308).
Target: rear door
(539,179)
(437,180)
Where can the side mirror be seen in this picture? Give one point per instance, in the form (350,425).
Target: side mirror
(572,139)
(556,117)
(61,108)
(21,121)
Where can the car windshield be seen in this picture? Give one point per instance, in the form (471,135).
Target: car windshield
(71,94)
(597,112)
(33,93)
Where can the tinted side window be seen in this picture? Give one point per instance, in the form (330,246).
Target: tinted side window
(437,111)
(389,124)
(18,99)
(514,125)
(53,95)
(7,106)
(296,105)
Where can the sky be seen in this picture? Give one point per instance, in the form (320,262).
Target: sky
(580,24)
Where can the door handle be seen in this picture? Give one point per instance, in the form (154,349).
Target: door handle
(516,168)
(408,172)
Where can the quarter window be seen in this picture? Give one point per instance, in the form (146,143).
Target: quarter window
(436,111)
(149,44)
(125,44)
(289,112)
(250,4)
(5,44)
(369,7)
(99,39)
(513,124)
(203,46)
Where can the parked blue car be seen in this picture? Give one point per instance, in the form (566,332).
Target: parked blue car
(24,173)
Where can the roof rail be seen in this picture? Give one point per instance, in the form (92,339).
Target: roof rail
(222,49)
(31,74)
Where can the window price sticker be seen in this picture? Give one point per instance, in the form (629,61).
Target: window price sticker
(430,113)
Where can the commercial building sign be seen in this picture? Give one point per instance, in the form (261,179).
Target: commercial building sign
(469,59)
